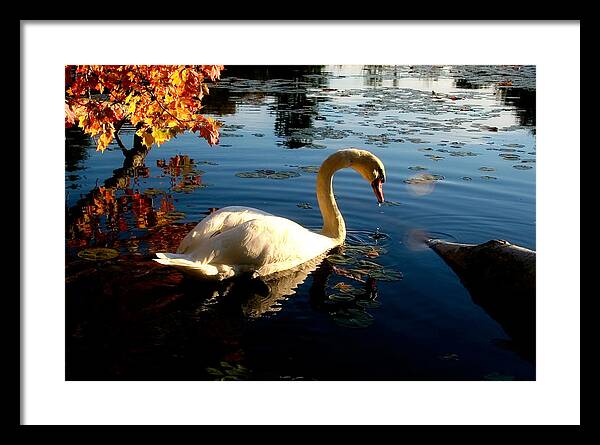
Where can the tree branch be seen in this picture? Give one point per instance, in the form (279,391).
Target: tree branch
(118,139)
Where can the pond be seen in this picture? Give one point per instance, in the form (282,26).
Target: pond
(458,144)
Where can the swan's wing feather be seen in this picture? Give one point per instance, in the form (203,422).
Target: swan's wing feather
(265,245)
(220,221)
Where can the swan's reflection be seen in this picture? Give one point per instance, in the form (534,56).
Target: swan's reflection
(258,296)
(133,319)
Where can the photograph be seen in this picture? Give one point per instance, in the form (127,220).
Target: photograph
(314,222)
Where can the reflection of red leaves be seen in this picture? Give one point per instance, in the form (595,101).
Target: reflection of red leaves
(346,273)
(236,356)
(72,243)
(107,214)
(166,205)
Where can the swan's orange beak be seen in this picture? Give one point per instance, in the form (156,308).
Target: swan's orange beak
(377,185)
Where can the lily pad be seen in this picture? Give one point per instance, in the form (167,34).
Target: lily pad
(417,168)
(153,192)
(310,168)
(254,174)
(270,174)
(386,274)
(229,372)
(340,297)
(98,253)
(352,318)
(488,178)
(434,157)
(340,259)
(348,289)
(173,216)
(522,167)
(487,169)
(344,287)
(462,153)
(368,304)
(423,179)
(304,205)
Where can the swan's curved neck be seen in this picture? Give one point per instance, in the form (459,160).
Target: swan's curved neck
(333,222)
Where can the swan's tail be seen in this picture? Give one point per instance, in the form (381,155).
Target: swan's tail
(196,269)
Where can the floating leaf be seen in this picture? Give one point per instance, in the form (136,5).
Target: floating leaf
(372,253)
(352,318)
(173,216)
(386,275)
(487,169)
(489,178)
(434,157)
(423,179)
(417,168)
(310,168)
(368,304)
(98,253)
(344,287)
(340,297)
(339,259)
(153,192)
(270,174)
(509,157)
(466,178)
(348,274)
(254,174)
(463,153)
(304,205)
(522,167)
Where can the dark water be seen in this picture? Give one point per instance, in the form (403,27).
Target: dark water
(472,127)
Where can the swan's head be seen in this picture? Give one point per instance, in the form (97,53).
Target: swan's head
(370,167)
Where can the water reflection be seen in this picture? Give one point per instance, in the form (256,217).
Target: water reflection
(120,209)
(289,86)
(172,327)
(523,100)
(77,145)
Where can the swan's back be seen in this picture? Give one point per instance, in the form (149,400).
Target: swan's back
(219,221)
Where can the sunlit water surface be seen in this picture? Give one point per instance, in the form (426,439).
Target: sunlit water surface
(129,318)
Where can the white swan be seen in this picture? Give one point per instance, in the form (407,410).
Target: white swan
(239,240)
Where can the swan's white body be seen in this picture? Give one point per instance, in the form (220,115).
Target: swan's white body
(239,240)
